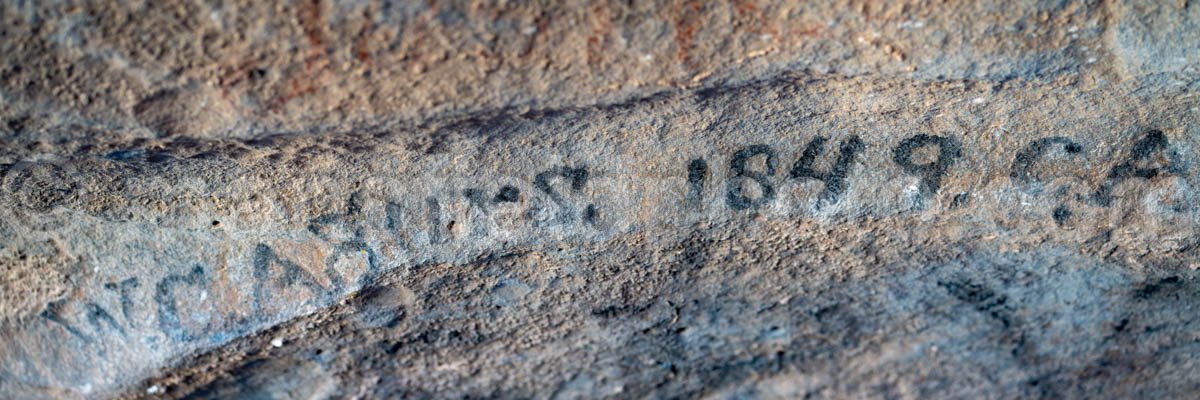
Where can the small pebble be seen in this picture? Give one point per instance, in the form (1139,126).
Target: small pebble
(277,342)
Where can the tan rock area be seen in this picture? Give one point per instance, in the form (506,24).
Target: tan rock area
(751,199)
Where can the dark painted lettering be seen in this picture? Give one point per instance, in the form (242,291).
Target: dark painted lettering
(932,172)
(168,314)
(395,223)
(735,196)
(436,229)
(835,179)
(290,274)
(590,214)
(125,291)
(351,247)
(351,219)
(1023,164)
(697,174)
(475,198)
(54,313)
(507,194)
(1141,163)
(97,315)
(576,177)
(1061,214)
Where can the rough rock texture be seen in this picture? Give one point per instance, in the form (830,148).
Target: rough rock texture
(671,199)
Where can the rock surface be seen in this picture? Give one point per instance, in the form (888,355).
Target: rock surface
(667,199)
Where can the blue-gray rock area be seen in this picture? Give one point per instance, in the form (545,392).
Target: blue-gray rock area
(744,200)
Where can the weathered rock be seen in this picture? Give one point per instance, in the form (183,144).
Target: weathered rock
(81,71)
(272,379)
(745,200)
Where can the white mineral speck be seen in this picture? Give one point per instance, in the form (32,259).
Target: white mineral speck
(277,342)
(154,390)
